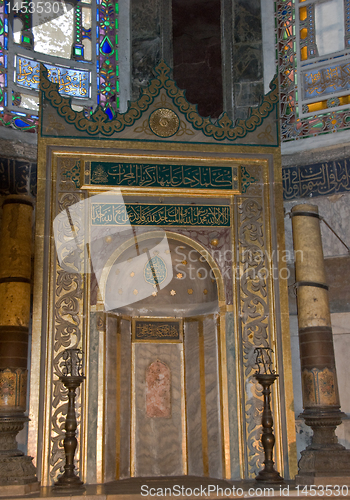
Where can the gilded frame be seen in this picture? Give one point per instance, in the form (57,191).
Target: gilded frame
(41,392)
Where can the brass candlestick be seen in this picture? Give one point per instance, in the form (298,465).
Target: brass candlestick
(72,378)
(266,377)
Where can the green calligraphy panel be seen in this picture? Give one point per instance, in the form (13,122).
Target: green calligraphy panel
(120,214)
(164,176)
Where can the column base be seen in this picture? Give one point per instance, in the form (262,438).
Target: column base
(19,489)
(318,465)
(17,470)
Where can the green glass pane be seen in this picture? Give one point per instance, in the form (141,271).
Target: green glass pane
(117,85)
(117,8)
(116,24)
(1,27)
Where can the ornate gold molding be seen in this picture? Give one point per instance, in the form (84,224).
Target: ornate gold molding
(99,122)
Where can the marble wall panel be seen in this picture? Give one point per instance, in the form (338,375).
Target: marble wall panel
(232,396)
(92,407)
(111,398)
(212,396)
(125,399)
(193,400)
(158,441)
(146,42)
(341,339)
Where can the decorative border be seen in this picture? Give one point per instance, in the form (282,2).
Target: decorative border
(100,124)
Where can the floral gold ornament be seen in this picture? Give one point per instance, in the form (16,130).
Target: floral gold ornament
(205,291)
(132,274)
(164,122)
(135,292)
(179,276)
(108,239)
(154,294)
(214,242)
(184,262)
(172,292)
(190,291)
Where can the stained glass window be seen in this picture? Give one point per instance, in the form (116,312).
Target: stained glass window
(314,66)
(79,46)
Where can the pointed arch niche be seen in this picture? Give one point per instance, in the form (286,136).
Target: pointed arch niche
(163,378)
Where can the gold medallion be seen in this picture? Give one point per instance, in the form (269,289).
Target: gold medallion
(164,122)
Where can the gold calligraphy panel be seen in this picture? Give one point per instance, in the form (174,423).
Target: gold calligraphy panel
(157,330)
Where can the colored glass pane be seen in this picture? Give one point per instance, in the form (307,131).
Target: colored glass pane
(71,82)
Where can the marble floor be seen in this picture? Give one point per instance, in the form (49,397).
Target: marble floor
(182,487)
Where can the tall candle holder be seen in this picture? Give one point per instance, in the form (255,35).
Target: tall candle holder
(72,371)
(266,376)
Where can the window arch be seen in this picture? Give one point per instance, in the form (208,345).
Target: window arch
(78,42)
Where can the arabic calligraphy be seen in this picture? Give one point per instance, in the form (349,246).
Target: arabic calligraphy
(173,176)
(157,330)
(316,180)
(155,271)
(72,82)
(326,80)
(119,214)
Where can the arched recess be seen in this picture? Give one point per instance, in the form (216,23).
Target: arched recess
(191,440)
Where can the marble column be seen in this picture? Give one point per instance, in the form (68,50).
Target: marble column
(325,457)
(15,283)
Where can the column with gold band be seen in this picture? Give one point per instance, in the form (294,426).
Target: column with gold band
(15,288)
(325,457)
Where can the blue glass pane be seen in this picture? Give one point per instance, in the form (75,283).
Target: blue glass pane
(106,46)
(109,113)
(71,82)
(21,123)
